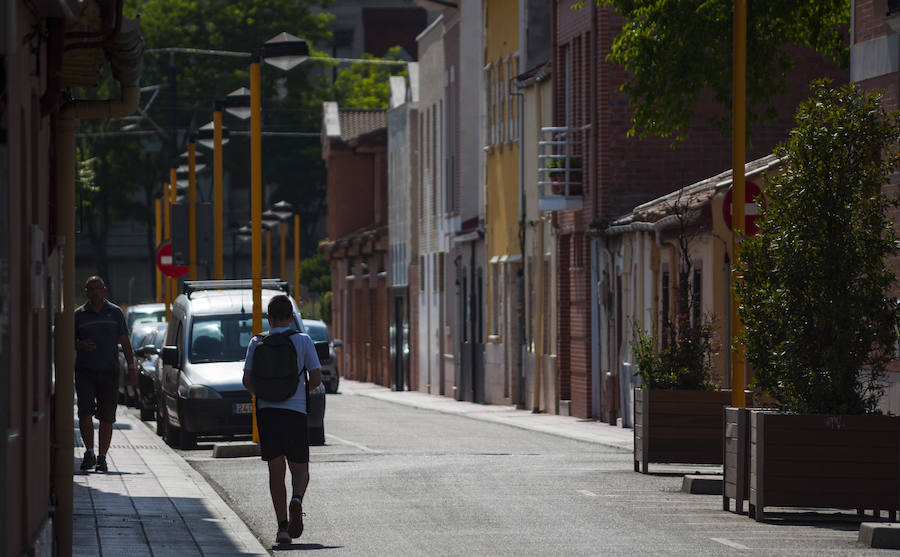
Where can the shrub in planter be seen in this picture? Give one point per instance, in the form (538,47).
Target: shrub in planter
(678,412)
(817,307)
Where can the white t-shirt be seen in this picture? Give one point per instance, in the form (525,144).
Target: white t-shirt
(306,358)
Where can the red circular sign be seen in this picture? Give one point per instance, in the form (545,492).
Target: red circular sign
(752,201)
(164,262)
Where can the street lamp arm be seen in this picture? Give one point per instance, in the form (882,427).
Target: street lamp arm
(233,54)
(185,50)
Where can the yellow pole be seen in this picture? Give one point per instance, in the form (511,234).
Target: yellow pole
(737,194)
(268,253)
(256,205)
(173,197)
(159,232)
(282,276)
(297,258)
(217,194)
(167,234)
(192,209)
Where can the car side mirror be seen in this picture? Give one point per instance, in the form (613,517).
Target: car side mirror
(170,355)
(337,343)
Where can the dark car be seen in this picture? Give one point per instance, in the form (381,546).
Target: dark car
(147,354)
(318,332)
(128,394)
(200,380)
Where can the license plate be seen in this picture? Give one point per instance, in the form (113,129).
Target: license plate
(243,407)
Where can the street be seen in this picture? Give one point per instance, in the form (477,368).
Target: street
(396,480)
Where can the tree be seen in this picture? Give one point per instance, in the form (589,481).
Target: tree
(675,50)
(816,294)
(130,169)
(365,85)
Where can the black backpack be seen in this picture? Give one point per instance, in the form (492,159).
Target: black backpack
(275,373)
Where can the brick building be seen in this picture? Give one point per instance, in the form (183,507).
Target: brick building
(875,64)
(618,174)
(354,147)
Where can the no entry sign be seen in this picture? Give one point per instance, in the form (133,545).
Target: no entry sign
(751,209)
(164,262)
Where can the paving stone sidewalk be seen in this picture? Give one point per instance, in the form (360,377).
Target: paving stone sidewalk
(151,503)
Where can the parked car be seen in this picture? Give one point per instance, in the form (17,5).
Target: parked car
(147,354)
(318,332)
(144,313)
(200,379)
(128,394)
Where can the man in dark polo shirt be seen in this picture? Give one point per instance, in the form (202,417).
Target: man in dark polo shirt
(99,329)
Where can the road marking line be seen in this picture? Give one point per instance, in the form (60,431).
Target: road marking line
(587,493)
(729,543)
(363,448)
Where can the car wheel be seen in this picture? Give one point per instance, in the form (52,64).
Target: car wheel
(147,412)
(173,433)
(188,440)
(317,436)
(161,418)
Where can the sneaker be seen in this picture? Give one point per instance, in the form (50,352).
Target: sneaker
(101,464)
(295,510)
(282,536)
(88,461)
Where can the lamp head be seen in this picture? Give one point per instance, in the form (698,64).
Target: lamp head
(285,51)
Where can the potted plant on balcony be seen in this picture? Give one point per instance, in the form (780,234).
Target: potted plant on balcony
(819,310)
(678,411)
(556,168)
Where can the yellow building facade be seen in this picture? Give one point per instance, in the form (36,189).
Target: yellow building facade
(502,129)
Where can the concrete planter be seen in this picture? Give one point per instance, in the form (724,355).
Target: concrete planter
(822,461)
(678,427)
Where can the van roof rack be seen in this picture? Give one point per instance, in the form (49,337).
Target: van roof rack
(191,286)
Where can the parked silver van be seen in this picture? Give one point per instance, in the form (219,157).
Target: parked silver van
(200,382)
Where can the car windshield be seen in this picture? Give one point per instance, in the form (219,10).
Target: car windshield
(142,330)
(146,317)
(316,331)
(223,338)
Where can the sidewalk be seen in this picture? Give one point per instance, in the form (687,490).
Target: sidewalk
(151,503)
(154,503)
(579,429)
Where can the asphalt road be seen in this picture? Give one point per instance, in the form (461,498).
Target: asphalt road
(394,480)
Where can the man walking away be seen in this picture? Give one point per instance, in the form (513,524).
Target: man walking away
(99,329)
(281,410)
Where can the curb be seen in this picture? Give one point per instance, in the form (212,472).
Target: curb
(880,535)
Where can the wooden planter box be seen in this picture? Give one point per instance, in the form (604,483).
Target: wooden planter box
(678,427)
(820,461)
(736,458)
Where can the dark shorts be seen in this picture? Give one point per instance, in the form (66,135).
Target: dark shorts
(97,391)
(282,433)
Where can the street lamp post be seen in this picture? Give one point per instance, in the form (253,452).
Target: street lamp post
(215,136)
(283,212)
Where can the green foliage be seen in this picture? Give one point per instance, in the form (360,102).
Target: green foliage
(325,307)
(315,274)
(815,298)
(368,85)
(676,50)
(683,363)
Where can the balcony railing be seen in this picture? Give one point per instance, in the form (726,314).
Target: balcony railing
(559,168)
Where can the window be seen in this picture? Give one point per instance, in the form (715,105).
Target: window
(501,103)
(512,120)
(697,295)
(664,313)
(489,106)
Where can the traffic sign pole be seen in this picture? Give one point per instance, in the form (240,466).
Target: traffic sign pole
(738,130)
